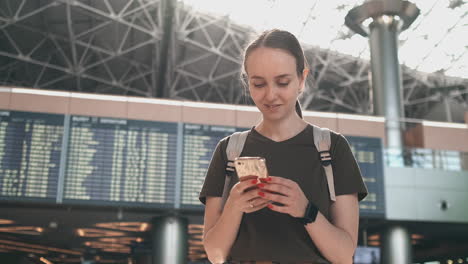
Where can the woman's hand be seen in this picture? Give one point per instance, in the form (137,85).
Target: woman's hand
(285,192)
(244,196)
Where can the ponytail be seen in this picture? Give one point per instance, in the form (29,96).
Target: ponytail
(298,109)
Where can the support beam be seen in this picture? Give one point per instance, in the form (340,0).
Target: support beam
(167,9)
(170,240)
(396,248)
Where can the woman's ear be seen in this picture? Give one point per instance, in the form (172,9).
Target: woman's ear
(305,72)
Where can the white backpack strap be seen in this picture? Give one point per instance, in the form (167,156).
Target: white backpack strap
(322,141)
(233,150)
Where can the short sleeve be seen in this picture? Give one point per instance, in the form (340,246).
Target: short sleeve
(346,173)
(216,173)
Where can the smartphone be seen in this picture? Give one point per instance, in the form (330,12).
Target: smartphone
(246,167)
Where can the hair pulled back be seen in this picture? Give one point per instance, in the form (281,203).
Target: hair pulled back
(279,39)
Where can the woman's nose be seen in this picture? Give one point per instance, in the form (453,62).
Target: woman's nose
(270,93)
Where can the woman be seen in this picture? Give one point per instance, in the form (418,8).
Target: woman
(264,224)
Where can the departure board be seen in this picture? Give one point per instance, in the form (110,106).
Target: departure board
(120,161)
(30,148)
(117,162)
(199,144)
(368,154)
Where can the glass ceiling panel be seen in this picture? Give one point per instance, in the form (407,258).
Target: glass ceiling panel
(436,41)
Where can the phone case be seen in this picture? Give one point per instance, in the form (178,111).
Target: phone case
(255,166)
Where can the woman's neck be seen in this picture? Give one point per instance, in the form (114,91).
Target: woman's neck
(280,130)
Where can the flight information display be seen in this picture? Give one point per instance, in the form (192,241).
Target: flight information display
(368,154)
(199,144)
(121,161)
(110,161)
(30,149)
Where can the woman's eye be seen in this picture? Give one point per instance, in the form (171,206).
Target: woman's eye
(258,85)
(283,84)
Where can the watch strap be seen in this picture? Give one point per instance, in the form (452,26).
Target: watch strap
(310,214)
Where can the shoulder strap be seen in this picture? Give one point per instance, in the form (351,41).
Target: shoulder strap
(235,145)
(233,150)
(322,141)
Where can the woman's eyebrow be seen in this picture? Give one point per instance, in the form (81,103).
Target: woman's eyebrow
(282,76)
(276,77)
(256,77)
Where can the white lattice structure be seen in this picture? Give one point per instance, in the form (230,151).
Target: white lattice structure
(161,48)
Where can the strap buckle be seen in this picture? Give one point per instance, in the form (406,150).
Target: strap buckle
(230,169)
(325,157)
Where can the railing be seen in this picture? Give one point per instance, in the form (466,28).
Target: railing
(427,159)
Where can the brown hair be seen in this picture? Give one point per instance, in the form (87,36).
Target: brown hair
(279,39)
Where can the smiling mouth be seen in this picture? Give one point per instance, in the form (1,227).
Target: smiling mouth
(272,106)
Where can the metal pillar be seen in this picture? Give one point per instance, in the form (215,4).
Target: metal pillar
(389,18)
(386,77)
(168,10)
(396,246)
(170,240)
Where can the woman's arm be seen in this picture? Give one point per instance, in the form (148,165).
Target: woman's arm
(220,229)
(221,226)
(336,240)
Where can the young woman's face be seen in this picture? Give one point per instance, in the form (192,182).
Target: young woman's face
(273,82)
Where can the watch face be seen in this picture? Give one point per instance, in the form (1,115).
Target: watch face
(311,212)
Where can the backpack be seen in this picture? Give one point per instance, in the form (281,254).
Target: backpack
(322,141)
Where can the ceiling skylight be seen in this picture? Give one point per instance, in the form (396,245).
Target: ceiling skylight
(436,41)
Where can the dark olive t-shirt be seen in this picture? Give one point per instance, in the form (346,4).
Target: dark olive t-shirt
(273,236)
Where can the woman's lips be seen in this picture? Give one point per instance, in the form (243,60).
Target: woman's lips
(272,106)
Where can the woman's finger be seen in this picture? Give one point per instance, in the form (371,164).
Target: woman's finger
(250,195)
(241,187)
(248,177)
(256,207)
(257,200)
(279,209)
(276,188)
(278,198)
(262,203)
(249,204)
(280,180)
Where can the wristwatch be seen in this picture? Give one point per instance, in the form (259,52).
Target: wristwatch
(310,214)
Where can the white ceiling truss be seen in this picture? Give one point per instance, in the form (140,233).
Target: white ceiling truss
(117,47)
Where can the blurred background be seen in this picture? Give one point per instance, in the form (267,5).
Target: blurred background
(110,110)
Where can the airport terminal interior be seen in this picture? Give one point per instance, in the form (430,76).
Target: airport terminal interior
(110,111)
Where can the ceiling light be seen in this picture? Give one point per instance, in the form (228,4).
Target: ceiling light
(366,23)
(34,246)
(45,260)
(80,232)
(387,19)
(5,222)
(23,249)
(95,232)
(417,236)
(23,230)
(124,226)
(120,240)
(144,227)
